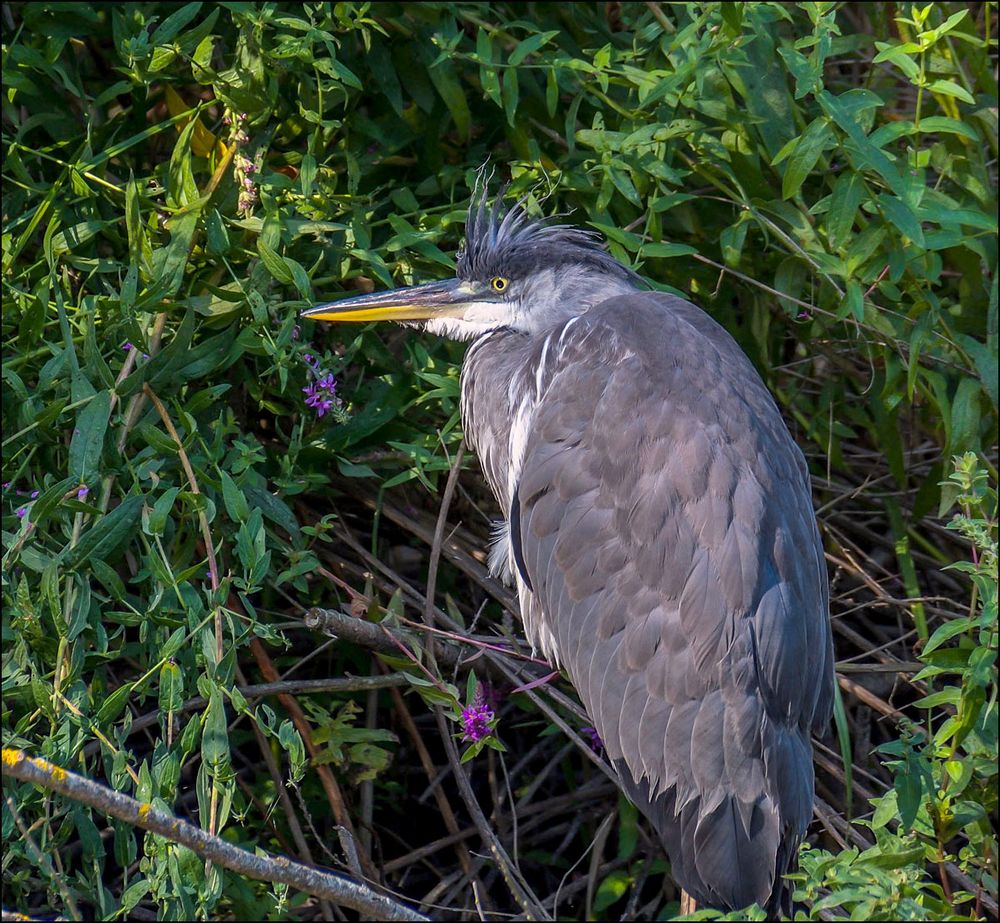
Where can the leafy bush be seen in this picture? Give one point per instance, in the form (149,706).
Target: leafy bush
(180,180)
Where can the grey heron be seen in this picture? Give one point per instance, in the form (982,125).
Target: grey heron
(659,528)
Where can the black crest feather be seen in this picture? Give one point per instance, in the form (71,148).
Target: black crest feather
(503,240)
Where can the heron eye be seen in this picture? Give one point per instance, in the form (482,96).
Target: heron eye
(499,284)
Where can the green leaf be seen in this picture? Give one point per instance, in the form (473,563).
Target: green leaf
(445,81)
(177,252)
(869,155)
(108,534)
(965,417)
(114,704)
(174,643)
(908,791)
(899,214)
(949,696)
(551,92)
(275,264)
(88,438)
(529,46)
(611,890)
(236,504)
(49,499)
(510,95)
(215,734)
(173,24)
(155,521)
(947,88)
(171,688)
(945,632)
(731,241)
(848,194)
(665,250)
(803,153)
(76,235)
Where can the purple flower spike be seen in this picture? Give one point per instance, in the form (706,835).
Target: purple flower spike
(82,492)
(593,738)
(317,400)
(476,722)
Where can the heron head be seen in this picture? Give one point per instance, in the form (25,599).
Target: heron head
(514,272)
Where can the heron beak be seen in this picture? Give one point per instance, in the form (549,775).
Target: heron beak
(420,302)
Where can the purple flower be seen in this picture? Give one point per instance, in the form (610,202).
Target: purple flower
(593,738)
(21,512)
(127,346)
(317,398)
(295,332)
(82,492)
(476,722)
(33,494)
(321,395)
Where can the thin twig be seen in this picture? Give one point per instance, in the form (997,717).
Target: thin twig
(206,532)
(330,787)
(337,888)
(42,861)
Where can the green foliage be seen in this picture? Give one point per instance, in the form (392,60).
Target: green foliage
(945,783)
(181,180)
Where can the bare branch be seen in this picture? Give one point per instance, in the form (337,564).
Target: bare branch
(337,888)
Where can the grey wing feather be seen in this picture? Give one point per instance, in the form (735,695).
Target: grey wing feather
(665,526)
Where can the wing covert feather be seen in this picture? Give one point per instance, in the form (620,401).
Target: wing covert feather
(666,528)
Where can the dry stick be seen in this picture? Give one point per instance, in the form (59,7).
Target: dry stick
(438,539)
(301,844)
(464,561)
(259,690)
(375,636)
(206,532)
(213,567)
(42,861)
(518,887)
(528,902)
(444,806)
(422,852)
(366,634)
(869,698)
(367,786)
(477,572)
(337,888)
(473,569)
(330,786)
(899,666)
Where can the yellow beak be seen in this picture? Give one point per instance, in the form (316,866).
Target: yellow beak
(419,302)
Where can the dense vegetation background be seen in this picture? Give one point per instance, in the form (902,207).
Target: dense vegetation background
(187,468)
